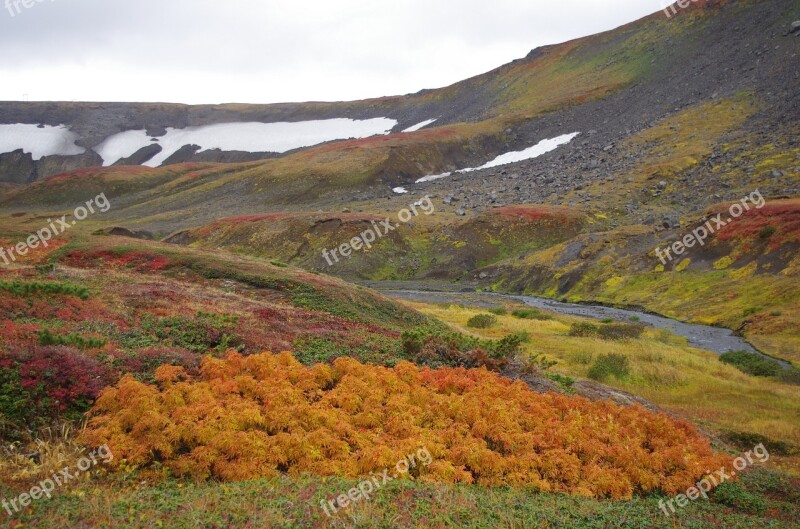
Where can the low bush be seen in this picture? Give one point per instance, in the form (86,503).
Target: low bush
(499,311)
(74,340)
(531,314)
(437,348)
(767,232)
(735,495)
(482,321)
(609,365)
(584,329)
(562,380)
(613,331)
(143,363)
(752,363)
(198,334)
(267,415)
(622,331)
(41,385)
(747,440)
(32,288)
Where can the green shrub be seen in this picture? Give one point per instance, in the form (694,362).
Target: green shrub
(482,321)
(47,268)
(733,494)
(584,329)
(752,364)
(531,314)
(199,334)
(767,232)
(747,440)
(504,349)
(32,288)
(612,364)
(376,349)
(74,340)
(562,380)
(438,348)
(537,364)
(499,311)
(613,331)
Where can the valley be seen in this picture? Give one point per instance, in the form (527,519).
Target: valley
(519,274)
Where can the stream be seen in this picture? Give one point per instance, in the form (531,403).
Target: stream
(715,339)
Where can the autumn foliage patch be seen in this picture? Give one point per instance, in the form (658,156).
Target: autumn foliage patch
(264,415)
(39,385)
(777,223)
(143,261)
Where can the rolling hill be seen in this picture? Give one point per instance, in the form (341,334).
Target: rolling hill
(239,374)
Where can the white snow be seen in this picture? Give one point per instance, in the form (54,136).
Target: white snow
(543,147)
(39,142)
(122,145)
(431,178)
(400,190)
(419,126)
(249,137)
(537,150)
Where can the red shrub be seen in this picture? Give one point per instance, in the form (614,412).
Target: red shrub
(141,261)
(145,361)
(777,222)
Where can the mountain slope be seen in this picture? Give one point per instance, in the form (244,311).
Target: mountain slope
(656,54)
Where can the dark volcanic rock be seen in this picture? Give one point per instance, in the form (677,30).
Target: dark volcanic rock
(52,165)
(182,155)
(17,167)
(141,156)
(125,232)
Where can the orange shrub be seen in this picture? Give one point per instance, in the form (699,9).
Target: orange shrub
(263,415)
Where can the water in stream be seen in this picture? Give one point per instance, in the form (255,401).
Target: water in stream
(715,339)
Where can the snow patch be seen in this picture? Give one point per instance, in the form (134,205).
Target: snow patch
(249,137)
(122,145)
(39,141)
(419,126)
(543,147)
(431,178)
(400,190)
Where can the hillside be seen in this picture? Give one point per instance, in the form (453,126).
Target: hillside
(226,317)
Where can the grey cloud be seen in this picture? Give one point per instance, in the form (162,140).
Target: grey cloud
(271,51)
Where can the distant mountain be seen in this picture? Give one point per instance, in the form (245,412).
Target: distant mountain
(613,82)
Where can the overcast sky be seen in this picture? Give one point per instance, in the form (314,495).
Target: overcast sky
(267,51)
